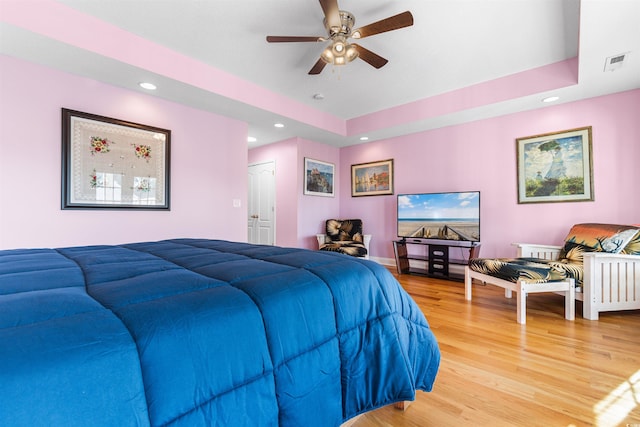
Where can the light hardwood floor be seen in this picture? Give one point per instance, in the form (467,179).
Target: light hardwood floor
(495,372)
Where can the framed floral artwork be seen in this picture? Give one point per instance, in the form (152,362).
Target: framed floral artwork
(372,179)
(113,164)
(555,167)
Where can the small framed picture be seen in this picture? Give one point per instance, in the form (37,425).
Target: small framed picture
(555,167)
(318,178)
(372,179)
(113,164)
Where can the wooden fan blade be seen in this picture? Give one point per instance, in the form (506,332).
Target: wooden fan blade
(318,67)
(370,57)
(401,20)
(286,39)
(331,13)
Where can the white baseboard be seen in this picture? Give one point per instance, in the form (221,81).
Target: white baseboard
(387,262)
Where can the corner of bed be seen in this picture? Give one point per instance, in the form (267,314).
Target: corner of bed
(204,332)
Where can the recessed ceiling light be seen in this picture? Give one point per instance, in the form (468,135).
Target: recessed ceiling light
(251,139)
(279,125)
(364,138)
(551,99)
(148,86)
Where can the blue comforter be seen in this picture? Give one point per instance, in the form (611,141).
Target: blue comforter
(191,332)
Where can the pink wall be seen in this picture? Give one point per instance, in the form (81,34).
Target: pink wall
(285,156)
(67,25)
(298,217)
(315,210)
(472,156)
(482,156)
(542,79)
(208,164)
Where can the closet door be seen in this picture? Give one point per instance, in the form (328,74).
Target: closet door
(261,200)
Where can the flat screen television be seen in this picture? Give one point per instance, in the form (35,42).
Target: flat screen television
(451,217)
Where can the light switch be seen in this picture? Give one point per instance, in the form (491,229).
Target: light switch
(237,203)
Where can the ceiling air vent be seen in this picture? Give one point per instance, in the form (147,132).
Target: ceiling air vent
(615,62)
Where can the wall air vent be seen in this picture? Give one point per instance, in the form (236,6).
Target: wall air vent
(616,61)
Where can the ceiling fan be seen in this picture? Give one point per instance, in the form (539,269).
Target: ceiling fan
(339,25)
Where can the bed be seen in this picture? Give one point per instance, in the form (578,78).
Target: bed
(189,332)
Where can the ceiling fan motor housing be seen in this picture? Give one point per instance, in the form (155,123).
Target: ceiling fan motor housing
(347,21)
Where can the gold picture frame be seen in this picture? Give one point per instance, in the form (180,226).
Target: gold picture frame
(372,179)
(555,167)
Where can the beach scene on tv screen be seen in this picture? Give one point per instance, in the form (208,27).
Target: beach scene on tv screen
(449,216)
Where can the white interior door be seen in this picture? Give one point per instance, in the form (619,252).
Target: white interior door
(261,200)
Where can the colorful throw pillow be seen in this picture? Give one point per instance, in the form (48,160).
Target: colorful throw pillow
(589,237)
(345,230)
(633,247)
(619,241)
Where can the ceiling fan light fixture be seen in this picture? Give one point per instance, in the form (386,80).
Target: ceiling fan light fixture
(339,46)
(339,52)
(327,55)
(352,53)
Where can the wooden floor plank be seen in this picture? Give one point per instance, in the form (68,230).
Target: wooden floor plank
(495,372)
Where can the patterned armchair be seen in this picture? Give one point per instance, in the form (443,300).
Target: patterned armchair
(345,236)
(599,264)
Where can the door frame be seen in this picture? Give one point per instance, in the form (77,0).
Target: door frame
(274,190)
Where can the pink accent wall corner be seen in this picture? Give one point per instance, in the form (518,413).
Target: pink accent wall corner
(299,216)
(206,153)
(482,156)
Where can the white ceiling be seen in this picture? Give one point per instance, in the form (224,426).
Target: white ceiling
(453,44)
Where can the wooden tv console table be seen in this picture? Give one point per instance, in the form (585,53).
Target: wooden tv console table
(435,255)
